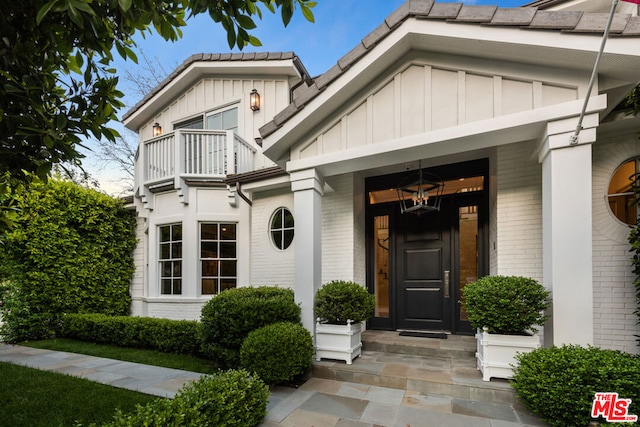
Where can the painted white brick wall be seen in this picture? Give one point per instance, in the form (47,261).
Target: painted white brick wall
(615,324)
(338,231)
(270,266)
(343,235)
(518,212)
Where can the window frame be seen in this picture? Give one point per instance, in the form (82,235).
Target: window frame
(282,229)
(175,280)
(221,111)
(221,262)
(626,194)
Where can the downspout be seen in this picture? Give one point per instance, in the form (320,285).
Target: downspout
(242,195)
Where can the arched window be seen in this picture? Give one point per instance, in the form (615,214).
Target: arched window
(281,228)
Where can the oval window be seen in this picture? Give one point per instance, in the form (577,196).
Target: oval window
(281,228)
(620,193)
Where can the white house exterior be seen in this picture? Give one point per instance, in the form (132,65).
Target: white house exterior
(485,98)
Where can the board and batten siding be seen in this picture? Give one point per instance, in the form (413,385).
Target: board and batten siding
(210,94)
(424,98)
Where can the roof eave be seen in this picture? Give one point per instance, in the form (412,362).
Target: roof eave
(201,65)
(454,37)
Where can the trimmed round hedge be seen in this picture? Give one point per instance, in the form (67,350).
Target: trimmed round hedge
(509,305)
(339,301)
(559,383)
(278,353)
(228,318)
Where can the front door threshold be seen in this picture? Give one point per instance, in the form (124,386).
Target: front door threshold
(424,334)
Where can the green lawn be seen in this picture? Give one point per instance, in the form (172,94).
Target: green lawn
(34,398)
(148,357)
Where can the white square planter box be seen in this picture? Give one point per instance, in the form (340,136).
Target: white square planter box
(340,342)
(496,352)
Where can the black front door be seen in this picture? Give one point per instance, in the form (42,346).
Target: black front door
(418,265)
(423,270)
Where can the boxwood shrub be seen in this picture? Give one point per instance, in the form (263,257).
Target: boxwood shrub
(278,353)
(338,301)
(559,383)
(230,398)
(509,305)
(168,336)
(228,318)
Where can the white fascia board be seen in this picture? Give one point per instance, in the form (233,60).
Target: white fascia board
(249,69)
(520,44)
(523,126)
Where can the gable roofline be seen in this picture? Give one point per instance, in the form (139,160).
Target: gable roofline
(224,61)
(522,18)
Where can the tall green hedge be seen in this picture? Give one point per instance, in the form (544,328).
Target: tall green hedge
(70,252)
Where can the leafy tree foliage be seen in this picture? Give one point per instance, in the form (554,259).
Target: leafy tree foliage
(56,83)
(69,252)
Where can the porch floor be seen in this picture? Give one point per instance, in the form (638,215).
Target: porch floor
(401,381)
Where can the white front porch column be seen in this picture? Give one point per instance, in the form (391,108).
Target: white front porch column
(567,231)
(307,187)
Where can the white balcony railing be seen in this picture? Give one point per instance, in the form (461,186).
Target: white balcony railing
(191,154)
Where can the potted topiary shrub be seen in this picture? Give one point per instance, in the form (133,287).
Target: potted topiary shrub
(340,308)
(505,311)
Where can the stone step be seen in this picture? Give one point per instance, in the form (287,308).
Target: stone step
(453,347)
(456,378)
(444,367)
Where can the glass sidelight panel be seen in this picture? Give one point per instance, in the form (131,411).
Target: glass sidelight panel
(381,265)
(468,220)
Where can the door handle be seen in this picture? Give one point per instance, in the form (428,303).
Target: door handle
(447,293)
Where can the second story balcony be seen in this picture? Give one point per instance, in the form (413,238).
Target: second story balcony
(190,155)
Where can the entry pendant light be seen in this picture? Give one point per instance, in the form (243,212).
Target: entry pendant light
(420,192)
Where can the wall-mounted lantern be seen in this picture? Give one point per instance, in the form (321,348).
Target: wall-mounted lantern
(157,129)
(254,100)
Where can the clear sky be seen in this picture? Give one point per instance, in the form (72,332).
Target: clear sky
(339,26)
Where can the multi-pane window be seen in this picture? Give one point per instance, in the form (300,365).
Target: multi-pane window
(218,257)
(170,259)
(281,228)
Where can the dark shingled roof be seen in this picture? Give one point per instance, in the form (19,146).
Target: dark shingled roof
(221,57)
(522,17)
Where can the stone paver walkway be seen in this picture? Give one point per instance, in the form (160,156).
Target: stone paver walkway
(318,402)
(153,380)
